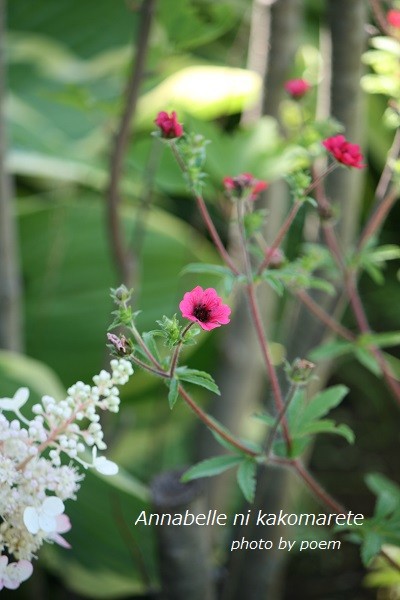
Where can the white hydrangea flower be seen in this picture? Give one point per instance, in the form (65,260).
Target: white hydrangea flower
(11,575)
(45,516)
(33,485)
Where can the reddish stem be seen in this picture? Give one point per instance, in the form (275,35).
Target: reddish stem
(325,317)
(377,218)
(276,390)
(213,425)
(214,235)
(316,488)
(280,235)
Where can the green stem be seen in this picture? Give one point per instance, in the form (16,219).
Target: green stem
(175,356)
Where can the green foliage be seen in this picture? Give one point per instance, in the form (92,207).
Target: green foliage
(246,478)
(384,526)
(173,392)
(212,466)
(246,473)
(196,377)
(170,330)
(304,419)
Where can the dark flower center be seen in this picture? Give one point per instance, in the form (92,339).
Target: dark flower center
(202,313)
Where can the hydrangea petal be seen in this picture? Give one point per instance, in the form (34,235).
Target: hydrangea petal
(31,519)
(53,506)
(105,466)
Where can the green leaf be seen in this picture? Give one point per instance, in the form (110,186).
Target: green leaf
(196,377)
(327,426)
(322,403)
(370,547)
(212,466)
(368,360)
(173,392)
(205,268)
(298,447)
(246,478)
(390,338)
(265,418)
(387,492)
(331,350)
(148,337)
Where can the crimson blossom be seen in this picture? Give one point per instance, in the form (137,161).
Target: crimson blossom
(346,153)
(168,124)
(244,183)
(297,88)
(393,18)
(205,307)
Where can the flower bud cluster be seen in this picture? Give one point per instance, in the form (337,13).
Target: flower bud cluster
(33,481)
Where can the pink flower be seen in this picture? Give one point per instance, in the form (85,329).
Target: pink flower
(205,308)
(243,184)
(297,88)
(393,18)
(344,152)
(169,126)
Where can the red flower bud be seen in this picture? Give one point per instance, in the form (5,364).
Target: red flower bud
(169,126)
(297,88)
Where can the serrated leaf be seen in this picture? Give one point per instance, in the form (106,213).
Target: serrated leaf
(211,466)
(173,392)
(196,377)
(246,478)
(322,403)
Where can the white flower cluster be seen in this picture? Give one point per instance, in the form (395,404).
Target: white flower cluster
(33,481)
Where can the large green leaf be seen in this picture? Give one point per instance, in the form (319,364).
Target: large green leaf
(68,272)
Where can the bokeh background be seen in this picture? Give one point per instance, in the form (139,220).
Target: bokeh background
(222,66)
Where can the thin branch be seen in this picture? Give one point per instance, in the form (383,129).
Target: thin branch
(380,17)
(272,434)
(324,316)
(280,235)
(122,259)
(378,217)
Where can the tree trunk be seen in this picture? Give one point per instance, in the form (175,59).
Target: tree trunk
(348,38)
